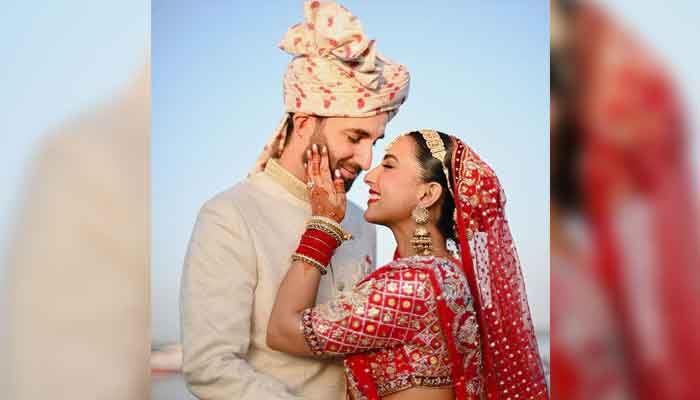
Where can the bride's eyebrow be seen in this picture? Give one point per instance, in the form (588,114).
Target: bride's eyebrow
(390,156)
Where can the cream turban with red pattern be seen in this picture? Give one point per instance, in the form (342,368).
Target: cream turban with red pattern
(336,72)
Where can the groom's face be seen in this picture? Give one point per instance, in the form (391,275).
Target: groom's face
(350,142)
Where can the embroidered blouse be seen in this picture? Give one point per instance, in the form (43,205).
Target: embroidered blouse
(410,323)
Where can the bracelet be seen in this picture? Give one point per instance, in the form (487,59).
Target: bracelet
(316,248)
(319,241)
(300,257)
(327,230)
(330,226)
(333,225)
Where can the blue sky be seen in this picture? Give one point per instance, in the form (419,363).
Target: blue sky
(58,60)
(479,70)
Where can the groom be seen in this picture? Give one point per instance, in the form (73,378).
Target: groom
(338,92)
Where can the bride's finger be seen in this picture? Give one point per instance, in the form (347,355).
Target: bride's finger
(325,166)
(315,164)
(339,183)
(307,166)
(340,196)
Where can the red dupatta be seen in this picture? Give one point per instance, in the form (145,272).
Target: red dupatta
(512,364)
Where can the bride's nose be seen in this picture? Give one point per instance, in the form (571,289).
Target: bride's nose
(370,176)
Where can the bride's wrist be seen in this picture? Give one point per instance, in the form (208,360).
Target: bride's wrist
(331,226)
(319,241)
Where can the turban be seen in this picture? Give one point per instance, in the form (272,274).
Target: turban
(336,72)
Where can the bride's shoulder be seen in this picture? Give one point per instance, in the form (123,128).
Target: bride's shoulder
(418,270)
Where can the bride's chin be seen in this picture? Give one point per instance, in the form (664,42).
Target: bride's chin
(375,218)
(371,217)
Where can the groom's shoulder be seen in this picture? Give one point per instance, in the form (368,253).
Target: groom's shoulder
(231,201)
(355,218)
(354,212)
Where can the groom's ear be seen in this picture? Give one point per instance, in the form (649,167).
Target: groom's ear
(304,125)
(429,194)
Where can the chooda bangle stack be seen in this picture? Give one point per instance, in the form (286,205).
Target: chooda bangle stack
(319,241)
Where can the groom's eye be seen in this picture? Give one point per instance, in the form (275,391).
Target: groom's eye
(353,139)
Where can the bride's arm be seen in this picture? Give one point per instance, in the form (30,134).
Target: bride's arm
(300,285)
(382,311)
(296,293)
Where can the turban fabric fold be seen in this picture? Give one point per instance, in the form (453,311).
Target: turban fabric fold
(336,72)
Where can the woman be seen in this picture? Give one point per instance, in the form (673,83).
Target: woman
(430,323)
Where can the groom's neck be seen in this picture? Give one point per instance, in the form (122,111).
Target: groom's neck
(291,160)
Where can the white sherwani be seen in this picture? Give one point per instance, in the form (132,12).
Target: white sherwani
(238,255)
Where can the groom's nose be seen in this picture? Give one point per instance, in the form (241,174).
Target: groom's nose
(363,157)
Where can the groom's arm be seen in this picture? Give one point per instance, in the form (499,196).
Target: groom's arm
(217,295)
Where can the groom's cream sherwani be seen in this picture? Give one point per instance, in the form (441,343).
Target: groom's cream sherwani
(238,255)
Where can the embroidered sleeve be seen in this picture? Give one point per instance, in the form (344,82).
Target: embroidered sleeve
(383,311)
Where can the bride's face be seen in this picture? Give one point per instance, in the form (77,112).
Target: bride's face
(393,184)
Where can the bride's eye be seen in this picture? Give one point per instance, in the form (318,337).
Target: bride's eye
(387,166)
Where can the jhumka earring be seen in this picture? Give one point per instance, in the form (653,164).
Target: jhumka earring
(421,241)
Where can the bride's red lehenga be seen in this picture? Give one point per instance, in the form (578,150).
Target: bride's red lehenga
(437,322)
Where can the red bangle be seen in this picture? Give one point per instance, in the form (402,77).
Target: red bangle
(319,255)
(320,248)
(328,241)
(317,246)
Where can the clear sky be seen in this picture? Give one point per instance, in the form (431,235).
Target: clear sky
(479,70)
(58,60)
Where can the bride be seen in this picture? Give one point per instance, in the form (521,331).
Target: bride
(439,321)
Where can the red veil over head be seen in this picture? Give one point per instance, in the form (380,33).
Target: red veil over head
(512,364)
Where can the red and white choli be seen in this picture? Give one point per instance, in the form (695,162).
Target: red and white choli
(410,323)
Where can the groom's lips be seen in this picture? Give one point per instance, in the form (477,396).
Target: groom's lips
(347,174)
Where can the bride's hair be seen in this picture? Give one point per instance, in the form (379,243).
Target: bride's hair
(432,172)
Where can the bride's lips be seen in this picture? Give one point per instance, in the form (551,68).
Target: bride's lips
(374,196)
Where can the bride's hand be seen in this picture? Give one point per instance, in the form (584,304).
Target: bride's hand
(327,193)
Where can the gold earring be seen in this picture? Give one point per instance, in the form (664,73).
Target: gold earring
(421,241)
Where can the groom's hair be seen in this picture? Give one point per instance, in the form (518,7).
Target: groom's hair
(432,171)
(290,125)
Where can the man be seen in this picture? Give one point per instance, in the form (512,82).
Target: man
(339,92)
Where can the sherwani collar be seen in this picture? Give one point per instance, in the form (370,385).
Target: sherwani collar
(289,182)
